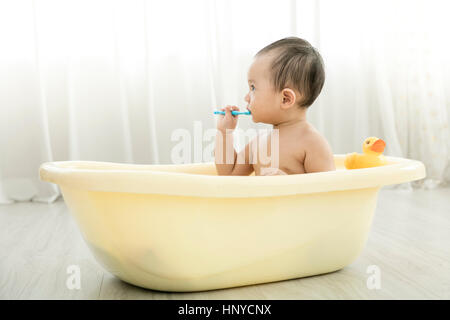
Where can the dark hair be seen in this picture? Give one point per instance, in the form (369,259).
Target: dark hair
(296,64)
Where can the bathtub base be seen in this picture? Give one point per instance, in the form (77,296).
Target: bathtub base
(180,245)
(307,246)
(249,275)
(285,266)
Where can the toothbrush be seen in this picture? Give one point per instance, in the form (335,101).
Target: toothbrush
(233,112)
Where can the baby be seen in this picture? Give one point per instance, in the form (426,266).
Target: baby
(284,80)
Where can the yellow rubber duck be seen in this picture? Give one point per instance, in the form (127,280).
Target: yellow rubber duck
(373,148)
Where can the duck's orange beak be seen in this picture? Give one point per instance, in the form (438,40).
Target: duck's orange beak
(378,146)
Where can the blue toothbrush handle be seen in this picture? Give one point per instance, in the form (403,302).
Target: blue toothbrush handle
(233,112)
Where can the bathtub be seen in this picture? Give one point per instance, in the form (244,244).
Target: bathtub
(182,228)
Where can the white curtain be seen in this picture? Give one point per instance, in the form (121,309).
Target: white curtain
(111,80)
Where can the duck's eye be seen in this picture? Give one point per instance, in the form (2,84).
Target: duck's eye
(368,141)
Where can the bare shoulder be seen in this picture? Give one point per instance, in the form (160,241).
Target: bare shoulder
(315,140)
(312,138)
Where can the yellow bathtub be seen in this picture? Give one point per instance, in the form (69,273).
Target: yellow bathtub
(183,228)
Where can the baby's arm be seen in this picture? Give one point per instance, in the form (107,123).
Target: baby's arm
(228,162)
(319,156)
(243,165)
(241,162)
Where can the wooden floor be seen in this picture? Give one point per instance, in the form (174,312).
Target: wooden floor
(409,242)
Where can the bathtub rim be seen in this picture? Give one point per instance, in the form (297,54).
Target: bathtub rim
(152,179)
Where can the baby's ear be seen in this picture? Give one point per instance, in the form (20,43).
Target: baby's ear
(288,97)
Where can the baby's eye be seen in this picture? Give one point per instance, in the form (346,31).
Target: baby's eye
(252,86)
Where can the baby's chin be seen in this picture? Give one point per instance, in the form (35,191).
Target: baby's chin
(257,119)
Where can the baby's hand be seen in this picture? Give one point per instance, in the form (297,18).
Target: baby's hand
(227,121)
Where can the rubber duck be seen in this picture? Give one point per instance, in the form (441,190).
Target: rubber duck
(373,148)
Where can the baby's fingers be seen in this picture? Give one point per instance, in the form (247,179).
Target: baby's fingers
(227,111)
(232,108)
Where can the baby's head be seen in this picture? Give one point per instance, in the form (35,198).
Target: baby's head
(284,80)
